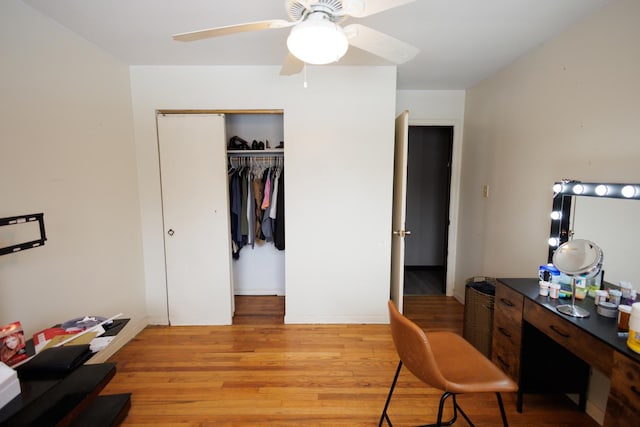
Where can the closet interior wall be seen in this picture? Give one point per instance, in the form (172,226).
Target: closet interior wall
(258,269)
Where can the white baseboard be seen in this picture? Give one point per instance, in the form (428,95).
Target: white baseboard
(130,330)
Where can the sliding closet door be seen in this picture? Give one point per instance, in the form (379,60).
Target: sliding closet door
(196,218)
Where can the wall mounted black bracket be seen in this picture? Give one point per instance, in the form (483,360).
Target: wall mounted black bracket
(16,220)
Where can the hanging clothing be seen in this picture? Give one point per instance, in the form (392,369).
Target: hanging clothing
(267,190)
(256,197)
(267,229)
(273,209)
(244,223)
(235,196)
(278,238)
(251,208)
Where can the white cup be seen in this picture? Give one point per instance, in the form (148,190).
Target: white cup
(601,296)
(615,296)
(544,288)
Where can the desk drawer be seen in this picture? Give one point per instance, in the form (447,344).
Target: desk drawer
(506,356)
(508,304)
(591,350)
(507,331)
(623,405)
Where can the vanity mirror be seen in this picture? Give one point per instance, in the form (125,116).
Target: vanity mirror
(577,258)
(607,213)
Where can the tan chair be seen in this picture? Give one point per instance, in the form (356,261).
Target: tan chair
(445,361)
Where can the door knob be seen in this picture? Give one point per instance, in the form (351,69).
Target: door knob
(170,232)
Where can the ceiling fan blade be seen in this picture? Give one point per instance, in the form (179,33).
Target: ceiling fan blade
(292,65)
(362,8)
(233,29)
(380,44)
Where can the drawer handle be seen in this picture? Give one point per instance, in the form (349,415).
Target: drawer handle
(501,360)
(507,302)
(635,390)
(559,331)
(504,332)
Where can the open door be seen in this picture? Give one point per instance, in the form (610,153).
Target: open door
(399,209)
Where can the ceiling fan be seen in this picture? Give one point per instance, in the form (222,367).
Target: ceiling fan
(317,37)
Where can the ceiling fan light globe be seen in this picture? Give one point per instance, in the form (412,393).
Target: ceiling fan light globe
(317,42)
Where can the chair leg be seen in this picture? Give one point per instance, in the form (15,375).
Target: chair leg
(384,416)
(504,415)
(456,408)
(455,402)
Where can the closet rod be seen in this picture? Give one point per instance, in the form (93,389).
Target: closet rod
(276,152)
(259,161)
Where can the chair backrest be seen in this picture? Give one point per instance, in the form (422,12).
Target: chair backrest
(414,349)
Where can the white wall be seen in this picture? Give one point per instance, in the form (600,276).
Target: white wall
(569,109)
(441,108)
(432,105)
(66,137)
(338,160)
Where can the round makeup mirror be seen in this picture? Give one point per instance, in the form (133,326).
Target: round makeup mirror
(578,259)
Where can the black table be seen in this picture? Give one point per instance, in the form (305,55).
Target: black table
(70,401)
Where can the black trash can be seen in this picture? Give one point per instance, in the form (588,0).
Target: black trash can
(479,297)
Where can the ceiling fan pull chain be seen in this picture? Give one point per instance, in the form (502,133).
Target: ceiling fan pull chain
(304,69)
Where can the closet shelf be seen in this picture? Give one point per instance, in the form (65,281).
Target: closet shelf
(248,153)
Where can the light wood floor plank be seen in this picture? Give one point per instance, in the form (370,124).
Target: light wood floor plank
(263,373)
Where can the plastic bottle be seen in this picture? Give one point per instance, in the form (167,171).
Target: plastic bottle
(633,342)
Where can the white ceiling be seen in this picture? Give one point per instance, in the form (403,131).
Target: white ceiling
(461,41)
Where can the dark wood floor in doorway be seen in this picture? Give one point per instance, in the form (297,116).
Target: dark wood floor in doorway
(423,281)
(259,310)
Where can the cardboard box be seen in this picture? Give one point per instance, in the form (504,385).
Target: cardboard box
(9,384)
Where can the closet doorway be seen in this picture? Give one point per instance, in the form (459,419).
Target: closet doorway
(430,150)
(256,172)
(205,268)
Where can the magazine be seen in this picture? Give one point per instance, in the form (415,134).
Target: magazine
(12,345)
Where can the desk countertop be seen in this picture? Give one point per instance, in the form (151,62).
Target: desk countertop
(603,328)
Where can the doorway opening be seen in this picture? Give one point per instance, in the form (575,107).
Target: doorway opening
(256,197)
(430,150)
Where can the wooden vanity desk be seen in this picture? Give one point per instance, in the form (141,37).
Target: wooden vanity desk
(545,351)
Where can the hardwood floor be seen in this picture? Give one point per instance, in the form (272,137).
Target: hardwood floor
(259,309)
(266,374)
(424,281)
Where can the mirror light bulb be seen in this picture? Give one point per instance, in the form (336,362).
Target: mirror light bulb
(578,189)
(602,190)
(557,188)
(553,241)
(628,191)
(556,215)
